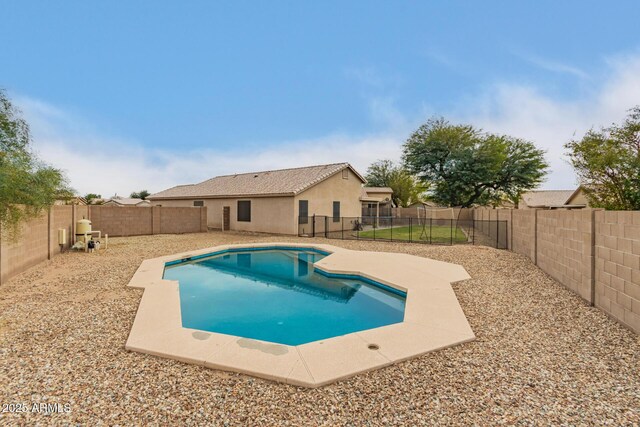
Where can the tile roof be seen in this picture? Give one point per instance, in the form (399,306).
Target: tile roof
(547,197)
(125,201)
(282,182)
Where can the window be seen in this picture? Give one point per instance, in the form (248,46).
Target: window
(303,211)
(345,174)
(244,210)
(336,211)
(198,203)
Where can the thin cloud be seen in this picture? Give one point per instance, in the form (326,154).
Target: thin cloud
(437,56)
(553,66)
(110,164)
(526,112)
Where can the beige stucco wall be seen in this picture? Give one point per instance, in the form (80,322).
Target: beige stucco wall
(335,188)
(268,214)
(580,198)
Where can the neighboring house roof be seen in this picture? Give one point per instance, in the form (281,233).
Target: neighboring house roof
(126,201)
(75,200)
(547,198)
(425,203)
(282,182)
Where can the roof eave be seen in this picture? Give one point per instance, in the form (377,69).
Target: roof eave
(225,196)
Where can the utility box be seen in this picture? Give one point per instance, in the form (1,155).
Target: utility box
(62,236)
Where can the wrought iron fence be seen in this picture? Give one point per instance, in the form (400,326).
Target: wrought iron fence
(376,211)
(413,230)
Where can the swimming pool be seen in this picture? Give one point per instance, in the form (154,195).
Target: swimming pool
(277,295)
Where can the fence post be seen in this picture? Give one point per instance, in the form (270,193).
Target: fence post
(592,258)
(430,230)
(473,235)
(535,238)
(326,226)
(313,226)
(49,233)
(410,229)
(0,254)
(342,227)
(451,232)
(510,227)
(391,219)
(497,231)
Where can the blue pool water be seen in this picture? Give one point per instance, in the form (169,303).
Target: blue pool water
(277,295)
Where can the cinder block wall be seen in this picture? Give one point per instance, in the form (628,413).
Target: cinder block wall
(523,227)
(122,221)
(617,266)
(565,248)
(594,253)
(61,217)
(31,249)
(39,239)
(138,221)
(181,220)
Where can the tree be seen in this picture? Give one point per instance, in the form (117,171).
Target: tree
(466,166)
(27,185)
(90,197)
(406,189)
(607,162)
(140,195)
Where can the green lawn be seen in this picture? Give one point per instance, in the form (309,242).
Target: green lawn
(439,234)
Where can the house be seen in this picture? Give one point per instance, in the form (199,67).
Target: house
(376,201)
(554,199)
(273,201)
(578,198)
(126,201)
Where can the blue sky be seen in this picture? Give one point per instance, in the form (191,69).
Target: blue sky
(161,93)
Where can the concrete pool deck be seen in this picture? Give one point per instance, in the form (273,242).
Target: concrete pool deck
(433,320)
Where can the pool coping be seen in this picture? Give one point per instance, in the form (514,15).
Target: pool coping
(433,320)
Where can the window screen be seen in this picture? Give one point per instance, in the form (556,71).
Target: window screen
(336,211)
(198,203)
(244,210)
(303,211)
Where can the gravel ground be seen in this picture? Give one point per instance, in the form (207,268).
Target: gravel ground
(542,356)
